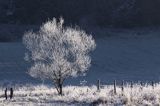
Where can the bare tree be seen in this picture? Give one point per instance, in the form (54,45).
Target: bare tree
(58,52)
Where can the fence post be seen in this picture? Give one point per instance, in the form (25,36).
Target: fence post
(152,84)
(141,85)
(123,86)
(98,85)
(131,85)
(131,89)
(115,92)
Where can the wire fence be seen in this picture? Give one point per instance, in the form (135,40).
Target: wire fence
(101,84)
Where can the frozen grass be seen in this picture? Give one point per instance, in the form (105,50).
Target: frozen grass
(43,94)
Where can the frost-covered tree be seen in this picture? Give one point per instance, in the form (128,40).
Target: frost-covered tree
(58,52)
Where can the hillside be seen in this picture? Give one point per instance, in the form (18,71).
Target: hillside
(104,13)
(122,55)
(14,33)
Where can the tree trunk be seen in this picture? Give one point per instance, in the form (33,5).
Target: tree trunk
(60,89)
(59,86)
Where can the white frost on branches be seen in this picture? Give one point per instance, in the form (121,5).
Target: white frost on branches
(58,52)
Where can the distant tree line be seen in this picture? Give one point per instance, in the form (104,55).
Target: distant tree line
(114,13)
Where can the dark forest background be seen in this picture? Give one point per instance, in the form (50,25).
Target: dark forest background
(85,13)
(122,13)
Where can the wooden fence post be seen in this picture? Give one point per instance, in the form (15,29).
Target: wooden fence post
(131,85)
(115,92)
(152,84)
(123,86)
(98,85)
(131,89)
(141,85)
